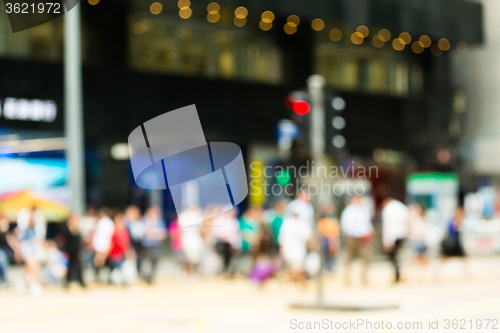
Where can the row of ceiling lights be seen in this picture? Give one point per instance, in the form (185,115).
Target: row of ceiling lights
(358,37)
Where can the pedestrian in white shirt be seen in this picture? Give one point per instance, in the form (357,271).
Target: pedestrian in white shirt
(86,224)
(294,236)
(101,240)
(226,230)
(86,227)
(302,207)
(357,228)
(191,239)
(23,218)
(395,220)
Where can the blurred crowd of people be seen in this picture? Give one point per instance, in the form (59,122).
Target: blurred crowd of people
(109,238)
(121,246)
(401,226)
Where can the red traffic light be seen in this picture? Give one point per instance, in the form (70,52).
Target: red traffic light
(296,101)
(300,107)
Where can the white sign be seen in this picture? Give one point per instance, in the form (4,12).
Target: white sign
(481,236)
(28,109)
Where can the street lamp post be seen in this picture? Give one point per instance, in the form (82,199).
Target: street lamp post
(73,126)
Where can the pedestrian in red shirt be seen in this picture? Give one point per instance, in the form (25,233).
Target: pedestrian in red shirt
(120,243)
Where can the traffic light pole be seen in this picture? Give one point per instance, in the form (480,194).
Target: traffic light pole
(73,126)
(316,89)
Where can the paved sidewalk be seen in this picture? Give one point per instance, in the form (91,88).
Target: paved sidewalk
(237,306)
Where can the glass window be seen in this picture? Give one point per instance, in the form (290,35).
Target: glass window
(368,69)
(167,43)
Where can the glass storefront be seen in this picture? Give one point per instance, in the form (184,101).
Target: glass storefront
(367,69)
(167,43)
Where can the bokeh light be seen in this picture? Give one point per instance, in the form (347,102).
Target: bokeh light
(240,22)
(405,37)
(283,177)
(293,19)
(241,12)
(185,12)
(267,16)
(156,8)
(417,47)
(357,38)
(318,24)
(377,41)
(183,4)
(213,8)
(444,44)
(213,17)
(335,35)
(266,26)
(139,28)
(425,40)
(462,47)
(290,28)
(384,34)
(398,44)
(363,30)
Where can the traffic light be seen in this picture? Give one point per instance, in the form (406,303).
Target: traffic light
(300,107)
(335,122)
(298,102)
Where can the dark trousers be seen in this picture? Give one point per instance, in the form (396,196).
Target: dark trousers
(329,258)
(113,264)
(393,257)
(153,254)
(74,270)
(226,253)
(136,245)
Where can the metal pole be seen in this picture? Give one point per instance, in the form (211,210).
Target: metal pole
(73,108)
(316,86)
